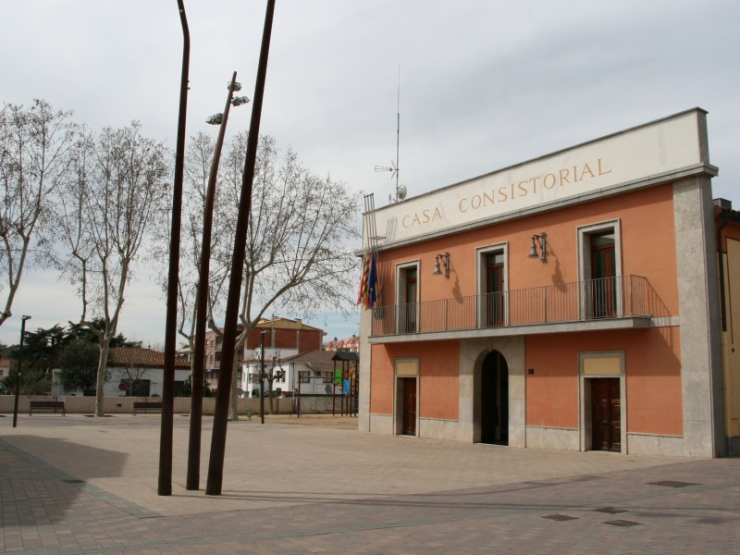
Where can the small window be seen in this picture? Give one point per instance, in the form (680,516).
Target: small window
(327,377)
(408,298)
(303,376)
(138,388)
(600,270)
(492,286)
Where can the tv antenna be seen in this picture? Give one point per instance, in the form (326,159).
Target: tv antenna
(401,191)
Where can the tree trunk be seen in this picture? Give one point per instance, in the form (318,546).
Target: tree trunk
(102,367)
(233,407)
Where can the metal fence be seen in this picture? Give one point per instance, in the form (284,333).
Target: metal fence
(568,302)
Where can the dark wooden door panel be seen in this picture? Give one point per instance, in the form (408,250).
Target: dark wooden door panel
(606,415)
(408,426)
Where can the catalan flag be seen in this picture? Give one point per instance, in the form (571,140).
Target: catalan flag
(368,284)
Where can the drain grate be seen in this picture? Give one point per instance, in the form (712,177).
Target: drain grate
(672,484)
(622,523)
(610,510)
(74,481)
(560,518)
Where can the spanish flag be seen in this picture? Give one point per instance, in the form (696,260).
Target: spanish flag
(368,284)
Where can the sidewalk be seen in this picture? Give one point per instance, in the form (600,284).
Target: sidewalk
(78,484)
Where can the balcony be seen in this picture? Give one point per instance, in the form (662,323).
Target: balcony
(608,303)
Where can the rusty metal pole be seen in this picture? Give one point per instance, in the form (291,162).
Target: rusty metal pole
(199,351)
(220,418)
(168,381)
(262,377)
(18,370)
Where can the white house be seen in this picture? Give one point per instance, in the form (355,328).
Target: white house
(133,372)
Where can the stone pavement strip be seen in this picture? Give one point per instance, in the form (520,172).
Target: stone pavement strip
(78,484)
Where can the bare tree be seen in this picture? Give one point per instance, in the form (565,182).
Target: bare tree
(303,229)
(115,191)
(34,157)
(299,248)
(274,372)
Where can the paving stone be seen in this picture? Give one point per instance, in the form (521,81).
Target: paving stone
(85,485)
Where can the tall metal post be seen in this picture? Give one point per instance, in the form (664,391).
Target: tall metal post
(168,381)
(199,351)
(220,418)
(262,376)
(18,374)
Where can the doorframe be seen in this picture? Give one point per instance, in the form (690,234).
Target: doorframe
(599,364)
(401,299)
(584,234)
(480,278)
(479,398)
(404,368)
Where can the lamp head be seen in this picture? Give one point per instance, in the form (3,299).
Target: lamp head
(533,250)
(541,240)
(239,100)
(444,259)
(215,119)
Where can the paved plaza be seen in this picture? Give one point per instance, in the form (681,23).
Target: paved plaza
(78,484)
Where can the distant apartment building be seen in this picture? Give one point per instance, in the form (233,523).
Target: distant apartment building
(280,337)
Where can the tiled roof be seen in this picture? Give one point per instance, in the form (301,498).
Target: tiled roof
(313,357)
(286,324)
(142,358)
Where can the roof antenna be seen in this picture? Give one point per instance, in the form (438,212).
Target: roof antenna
(394,167)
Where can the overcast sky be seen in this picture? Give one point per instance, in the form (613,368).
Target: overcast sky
(484,84)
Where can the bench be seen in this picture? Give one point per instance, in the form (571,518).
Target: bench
(146,406)
(47,405)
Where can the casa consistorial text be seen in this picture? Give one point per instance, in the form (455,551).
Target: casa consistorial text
(601,167)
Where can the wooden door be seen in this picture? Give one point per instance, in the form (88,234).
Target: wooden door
(494,289)
(410,292)
(603,276)
(606,415)
(408,411)
(495,400)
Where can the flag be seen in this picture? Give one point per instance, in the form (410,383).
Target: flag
(369,282)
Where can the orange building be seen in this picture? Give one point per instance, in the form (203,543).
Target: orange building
(568,302)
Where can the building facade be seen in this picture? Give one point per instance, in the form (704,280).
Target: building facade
(280,337)
(728,241)
(133,372)
(569,302)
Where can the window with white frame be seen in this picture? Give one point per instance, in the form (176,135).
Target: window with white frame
(600,269)
(492,285)
(407,294)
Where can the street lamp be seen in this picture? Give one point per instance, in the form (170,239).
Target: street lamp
(221,117)
(220,413)
(262,374)
(18,370)
(164,482)
(196,398)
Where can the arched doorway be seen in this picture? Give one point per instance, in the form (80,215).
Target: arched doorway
(494,395)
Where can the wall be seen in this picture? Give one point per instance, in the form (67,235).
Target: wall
(300,339)
(653,378)
(438,384)
(731,352)
(125,405)
(642,214)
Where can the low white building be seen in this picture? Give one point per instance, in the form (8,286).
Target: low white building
(311,373)
(133,372)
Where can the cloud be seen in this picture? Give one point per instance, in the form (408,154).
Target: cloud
(483,84)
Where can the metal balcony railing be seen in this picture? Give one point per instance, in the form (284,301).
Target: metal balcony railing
(621,296)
